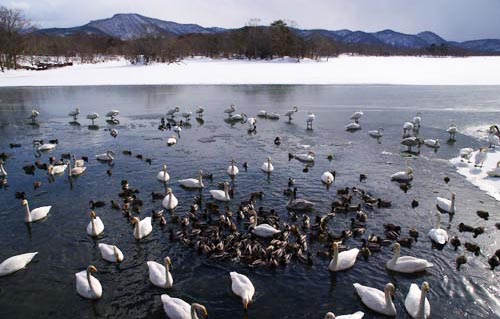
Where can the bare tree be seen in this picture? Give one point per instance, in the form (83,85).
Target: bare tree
(12,23)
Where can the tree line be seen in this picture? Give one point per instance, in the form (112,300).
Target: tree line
(253,41)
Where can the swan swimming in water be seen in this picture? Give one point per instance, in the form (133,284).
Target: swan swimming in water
(106,157)
(57,169)
(267,166)
(87,285)
(354,126)
(406,264)
(306,157)
(309,120)
(298,204)
(437,234)
(171,112)
(93,116)
(273,115)
(159,274)
(163,175)
(356,115)
(262,113)
(176,308)
(242,287)
(416,302)
(15,263)
(403,176)
(328,178)
(35,214)
(230,110)
(199,111)
(408,127)
(416,120)
(376,133)
(452,130)
(193,182)
(170,201)
(44,147)
(376,300)
(110,253)
(432,143)
(343,260)
(95,227)
(221,195)
(142,228)
(445,205)
(171,141)
(466,153)
(74,114)
(233,170)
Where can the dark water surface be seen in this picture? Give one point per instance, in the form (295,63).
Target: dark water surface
(46,289)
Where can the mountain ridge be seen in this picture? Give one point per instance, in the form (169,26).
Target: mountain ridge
(129,26)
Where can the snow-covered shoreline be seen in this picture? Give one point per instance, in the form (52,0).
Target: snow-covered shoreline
(203,71)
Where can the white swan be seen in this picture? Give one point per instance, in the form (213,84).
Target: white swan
(172,112)
(494,172)
(162,175)
(416,302)
(221,195)
(95,227)
(417,119)
(438,234)
(142,228)
(432,143)
(187,115)
(78,169)
(356,115)
(299,204)
(106,157)
(176,308)
(242,287)
(170,201)
(406,264)
(356,315)
(74,114)
(93,116)
(87,285)
(309,120)
(233,170)
(262,113)
(305,157)
(291,112)
(199,111)
(267,166)
(112,114)
(36,214)
(177,128)
(452,130)
(352,126)
(273,115)
(111,253)
(403,176)
(493,140)
(327,178)
(407,128)
(480,157)
(230,110)
(159,274)
(15,263)
(44,147)
(263,230)
(238,117)
(172,140)
(377,300)
(3,172)
(445,205)
(343,260)
(466,153)
(376,133)
(56,170)
(34,115)
(193,182)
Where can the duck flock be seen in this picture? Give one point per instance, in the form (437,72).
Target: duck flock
(252,235)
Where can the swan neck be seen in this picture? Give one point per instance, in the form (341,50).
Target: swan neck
(193,313)
(226,192)
(92,221)
(90,282)
(388,300)
(200,180)
(336,255)
(421,305)
(438,221)
(136,230)
(27,214)
(396,255)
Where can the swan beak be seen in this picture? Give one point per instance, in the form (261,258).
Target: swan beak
(92,269)
(245,304)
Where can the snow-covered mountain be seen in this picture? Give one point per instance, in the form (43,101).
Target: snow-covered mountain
(132,26)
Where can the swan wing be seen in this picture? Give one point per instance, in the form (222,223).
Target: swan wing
(163,177)
(40,212)
(145,226)
(409,265)
(108,252)
(439,235)
(412,302)
(175,308)
(241,285)
(157,274)
(347,258)
(356,315)
(443,203)
(15,263)
(371,297)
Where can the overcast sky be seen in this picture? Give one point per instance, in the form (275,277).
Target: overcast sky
(452,19)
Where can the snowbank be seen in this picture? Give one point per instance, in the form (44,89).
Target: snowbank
(342,70)
(478,176)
